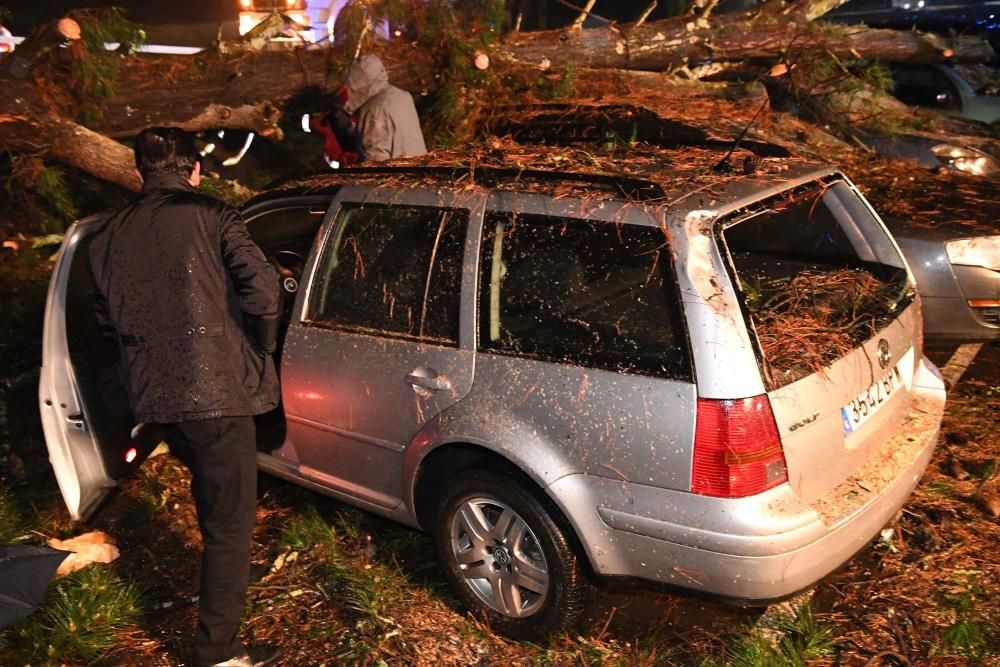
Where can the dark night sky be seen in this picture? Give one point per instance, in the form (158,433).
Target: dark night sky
(27,13)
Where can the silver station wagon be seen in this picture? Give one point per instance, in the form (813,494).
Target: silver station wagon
(563,375)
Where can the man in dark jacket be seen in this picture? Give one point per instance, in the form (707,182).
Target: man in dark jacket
(194,306)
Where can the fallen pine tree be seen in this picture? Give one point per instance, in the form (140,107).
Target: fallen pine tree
(70,105)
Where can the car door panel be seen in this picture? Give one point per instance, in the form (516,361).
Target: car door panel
(285,230)
(355,394)
(92,438)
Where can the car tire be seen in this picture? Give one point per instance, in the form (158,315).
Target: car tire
(533,582)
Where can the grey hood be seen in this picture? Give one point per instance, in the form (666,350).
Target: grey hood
(365,78)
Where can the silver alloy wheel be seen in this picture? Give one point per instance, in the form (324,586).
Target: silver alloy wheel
(500,557)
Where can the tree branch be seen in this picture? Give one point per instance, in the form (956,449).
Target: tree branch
(584,13)
(645,14)
(813,9)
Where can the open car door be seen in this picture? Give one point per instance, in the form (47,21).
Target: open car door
(92,439)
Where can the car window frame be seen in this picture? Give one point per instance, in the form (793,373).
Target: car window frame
(313,202)
(472,201)
(745,210)
(603,211)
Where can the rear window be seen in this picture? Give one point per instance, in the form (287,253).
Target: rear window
(817,274)
(594,294)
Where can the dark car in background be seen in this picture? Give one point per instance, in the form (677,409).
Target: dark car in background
(949,89)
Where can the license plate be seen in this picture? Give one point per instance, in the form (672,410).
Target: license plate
(859,410)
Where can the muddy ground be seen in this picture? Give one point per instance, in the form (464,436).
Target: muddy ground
(924,595)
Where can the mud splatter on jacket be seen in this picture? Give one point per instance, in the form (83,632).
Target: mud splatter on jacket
(193,303)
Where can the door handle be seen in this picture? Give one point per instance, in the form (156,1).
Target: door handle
(428,379)
(76,420)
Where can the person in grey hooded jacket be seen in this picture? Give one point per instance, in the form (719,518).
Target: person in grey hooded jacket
(387,119)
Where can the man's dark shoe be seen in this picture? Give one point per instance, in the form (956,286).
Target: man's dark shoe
(258,655)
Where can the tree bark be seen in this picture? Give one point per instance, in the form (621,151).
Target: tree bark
(672,43)
(247,91)
(71,144)
(250,89)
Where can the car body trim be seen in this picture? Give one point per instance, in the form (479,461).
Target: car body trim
(385,444)
(334,487)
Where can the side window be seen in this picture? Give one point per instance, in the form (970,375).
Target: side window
(393,270)
(580,292)
(290,229)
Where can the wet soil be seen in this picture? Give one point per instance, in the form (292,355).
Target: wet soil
(893,603)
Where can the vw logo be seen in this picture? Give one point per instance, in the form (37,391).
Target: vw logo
(884,354)
(501,557)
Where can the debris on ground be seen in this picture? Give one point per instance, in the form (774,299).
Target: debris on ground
(93,547)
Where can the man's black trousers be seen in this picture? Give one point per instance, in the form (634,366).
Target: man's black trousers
(221,455)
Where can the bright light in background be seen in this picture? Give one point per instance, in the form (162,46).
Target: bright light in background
(130,454)
(246,4)
(247,21)
(309,395)
(235,159)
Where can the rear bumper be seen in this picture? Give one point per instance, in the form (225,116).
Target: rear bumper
(758,548)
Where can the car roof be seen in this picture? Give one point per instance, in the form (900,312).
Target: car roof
(587,151)
(648,174)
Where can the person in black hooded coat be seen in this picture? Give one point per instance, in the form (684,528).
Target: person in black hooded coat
(194,306)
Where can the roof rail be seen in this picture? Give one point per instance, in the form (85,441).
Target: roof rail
(632,188)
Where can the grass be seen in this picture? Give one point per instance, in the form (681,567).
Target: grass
(13,526)
(797,640)
(941,488)
(598,651)
(80,620)
(342,556)
(309,530)
(970,635)
(969,639)
(369,588)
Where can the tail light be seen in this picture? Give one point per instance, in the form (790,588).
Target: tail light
(737,450)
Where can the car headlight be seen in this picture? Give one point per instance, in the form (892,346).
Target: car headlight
(981,251)
(969,160)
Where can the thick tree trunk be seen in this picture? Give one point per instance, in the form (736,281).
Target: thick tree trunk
(247,91)
(672,43)
(250,89)
(71,144)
